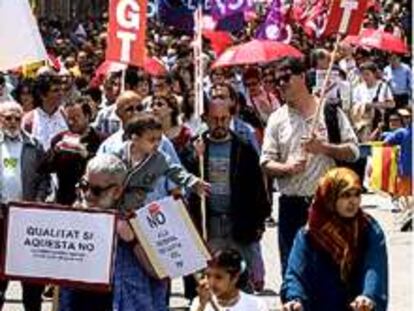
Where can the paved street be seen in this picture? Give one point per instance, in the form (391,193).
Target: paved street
(400,261)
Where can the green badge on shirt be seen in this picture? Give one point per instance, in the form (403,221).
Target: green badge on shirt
(10,163)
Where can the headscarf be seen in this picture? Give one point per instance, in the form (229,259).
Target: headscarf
(338,236)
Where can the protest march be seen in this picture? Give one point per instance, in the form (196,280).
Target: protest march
(150,143)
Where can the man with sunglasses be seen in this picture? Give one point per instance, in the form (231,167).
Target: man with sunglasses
(126,107)
(21,180)
(101,186)
(294,156)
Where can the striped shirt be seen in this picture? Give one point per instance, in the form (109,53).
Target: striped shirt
(282,140)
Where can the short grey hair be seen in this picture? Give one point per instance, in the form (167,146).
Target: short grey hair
(10,105)
(108,164)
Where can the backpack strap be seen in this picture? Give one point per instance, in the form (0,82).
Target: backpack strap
(332,123)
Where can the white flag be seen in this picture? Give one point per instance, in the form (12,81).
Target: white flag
(20,40)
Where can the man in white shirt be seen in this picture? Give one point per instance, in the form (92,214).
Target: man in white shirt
(47,120)
(21,180)
(294,156)
(372,99)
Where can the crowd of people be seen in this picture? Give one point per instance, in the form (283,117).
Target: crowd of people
(72,130)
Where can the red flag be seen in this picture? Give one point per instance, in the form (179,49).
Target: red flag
(345,17)
(311,16)
(126,31)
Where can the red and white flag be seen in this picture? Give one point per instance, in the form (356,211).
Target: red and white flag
(126,31)
(311,15)
(345,17)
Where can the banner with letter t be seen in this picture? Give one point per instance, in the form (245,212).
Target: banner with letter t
(126,31)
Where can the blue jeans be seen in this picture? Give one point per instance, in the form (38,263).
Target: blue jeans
(293,214)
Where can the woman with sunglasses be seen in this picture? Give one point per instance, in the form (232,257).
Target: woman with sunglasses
(339,259)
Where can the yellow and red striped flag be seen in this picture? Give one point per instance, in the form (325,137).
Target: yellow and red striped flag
(383,170)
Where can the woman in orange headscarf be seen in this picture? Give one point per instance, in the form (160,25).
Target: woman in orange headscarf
(339,260)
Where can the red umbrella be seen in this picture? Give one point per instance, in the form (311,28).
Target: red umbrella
(220,40)
(254,52)
(378,39)
(154,67)
(109,66)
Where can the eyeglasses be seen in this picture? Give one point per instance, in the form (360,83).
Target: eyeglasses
(131,109)
(158,104)
(284,78)
(11,118)
(97,191)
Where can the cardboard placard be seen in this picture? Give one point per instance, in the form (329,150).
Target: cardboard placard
(169,239)
(59,245)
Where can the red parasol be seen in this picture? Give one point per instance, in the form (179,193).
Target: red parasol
(254,52)
(220,40)
(154,67)
(378,39)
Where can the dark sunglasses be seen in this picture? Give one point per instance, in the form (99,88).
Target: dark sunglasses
(12,118)
(285,78)
(97,191)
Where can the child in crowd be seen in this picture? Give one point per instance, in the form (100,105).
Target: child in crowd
(146,163)
(221,290)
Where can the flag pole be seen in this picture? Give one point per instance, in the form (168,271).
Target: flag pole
(55,300)
(322,95)
(123,74)
(199,110)
(199,100)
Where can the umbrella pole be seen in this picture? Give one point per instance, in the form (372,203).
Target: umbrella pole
(322,99)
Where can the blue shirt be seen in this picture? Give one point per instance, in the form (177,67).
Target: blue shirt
(399,78)
(245,131)
(133,289)
(403,137)
(219,176)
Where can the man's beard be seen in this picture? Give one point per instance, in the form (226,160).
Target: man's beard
(11,134)
(219,133)
(107,202)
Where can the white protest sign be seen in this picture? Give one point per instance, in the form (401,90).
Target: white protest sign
(20,40)
(60,245)
(168,237)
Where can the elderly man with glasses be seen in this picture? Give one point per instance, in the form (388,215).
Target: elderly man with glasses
(133,289)
(21,180)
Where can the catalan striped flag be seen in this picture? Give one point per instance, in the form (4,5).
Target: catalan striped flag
(383,170)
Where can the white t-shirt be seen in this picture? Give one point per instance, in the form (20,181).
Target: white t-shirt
(46,126)
(11,151)
(246,303)
(364,94)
